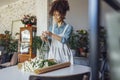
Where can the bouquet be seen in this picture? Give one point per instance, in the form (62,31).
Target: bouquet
(36,63)
(29,20)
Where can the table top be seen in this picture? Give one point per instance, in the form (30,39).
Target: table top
(13,73)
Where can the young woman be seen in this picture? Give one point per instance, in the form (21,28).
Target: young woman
(59,33)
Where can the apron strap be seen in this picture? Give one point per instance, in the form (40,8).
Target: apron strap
(65,28)
(53,28)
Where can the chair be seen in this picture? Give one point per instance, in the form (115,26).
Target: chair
(71,77)
(2,52)
(13,61)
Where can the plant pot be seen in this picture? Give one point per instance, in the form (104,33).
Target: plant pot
(28,25)
(82,53)
(73,52)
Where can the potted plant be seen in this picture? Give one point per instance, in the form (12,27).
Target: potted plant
(9,45)
(29,20)
(82,41)
(73,42)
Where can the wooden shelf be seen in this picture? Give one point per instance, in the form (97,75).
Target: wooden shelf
(26,40)
(23,57)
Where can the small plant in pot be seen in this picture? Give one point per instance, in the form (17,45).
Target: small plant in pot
(82,41)
(73,42)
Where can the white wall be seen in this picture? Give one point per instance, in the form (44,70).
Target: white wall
(15,11)
(42,15)
(78,14)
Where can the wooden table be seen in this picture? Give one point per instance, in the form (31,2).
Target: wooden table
(13,73)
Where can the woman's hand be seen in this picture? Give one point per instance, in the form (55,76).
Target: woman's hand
(44,37)
(48,33)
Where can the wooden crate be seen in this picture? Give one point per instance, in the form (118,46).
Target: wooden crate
(49,68)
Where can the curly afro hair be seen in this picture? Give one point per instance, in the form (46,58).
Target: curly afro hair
(62,6)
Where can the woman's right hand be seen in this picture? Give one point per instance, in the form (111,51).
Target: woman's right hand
(44,37)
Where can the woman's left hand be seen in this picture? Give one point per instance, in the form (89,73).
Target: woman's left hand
(48,33)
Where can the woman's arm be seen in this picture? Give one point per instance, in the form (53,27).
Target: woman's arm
(67,34)
(48,33)
(63,39)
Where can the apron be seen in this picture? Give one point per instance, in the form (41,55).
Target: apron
(58,51)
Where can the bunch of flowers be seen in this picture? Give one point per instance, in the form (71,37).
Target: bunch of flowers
(36,63)
(29,20)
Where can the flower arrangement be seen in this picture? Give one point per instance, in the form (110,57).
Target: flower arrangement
(29,20)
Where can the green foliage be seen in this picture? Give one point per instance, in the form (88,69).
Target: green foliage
(50,63)
(72,40)
(2,42)
(13,46)
(9,43)
(82,38)
(37,42)
(102,39)
(79,39)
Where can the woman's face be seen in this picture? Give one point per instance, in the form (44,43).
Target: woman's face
(57,17)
